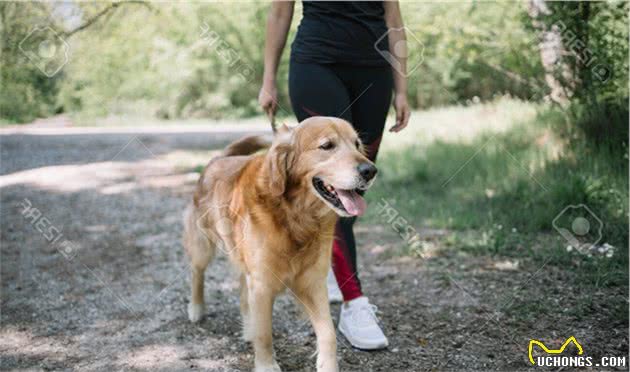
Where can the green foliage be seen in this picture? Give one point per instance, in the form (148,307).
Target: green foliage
(501,192)
(595,37)
(26,91)
(476,49)
(171,60)
(603,125)
(177,60)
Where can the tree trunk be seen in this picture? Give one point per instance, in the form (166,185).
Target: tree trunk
(558,73)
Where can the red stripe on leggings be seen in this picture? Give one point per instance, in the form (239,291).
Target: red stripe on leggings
(341,262)
(372,148)
(310,112)
(342,267)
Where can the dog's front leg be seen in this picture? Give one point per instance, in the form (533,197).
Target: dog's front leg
(260,310)
(315,301)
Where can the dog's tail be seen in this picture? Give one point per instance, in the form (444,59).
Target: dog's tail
(246,146)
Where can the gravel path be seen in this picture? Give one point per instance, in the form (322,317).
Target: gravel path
(110,292)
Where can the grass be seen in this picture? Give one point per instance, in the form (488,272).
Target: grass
(496,176)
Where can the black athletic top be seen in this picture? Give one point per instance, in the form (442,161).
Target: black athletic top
(341,32)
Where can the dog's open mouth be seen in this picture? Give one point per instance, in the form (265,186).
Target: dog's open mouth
(348,201)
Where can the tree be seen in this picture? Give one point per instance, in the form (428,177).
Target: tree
(558,75)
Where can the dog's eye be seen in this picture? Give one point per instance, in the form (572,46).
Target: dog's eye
(357,143)
(327,146)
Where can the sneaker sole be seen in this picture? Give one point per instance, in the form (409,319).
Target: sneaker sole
(362,346)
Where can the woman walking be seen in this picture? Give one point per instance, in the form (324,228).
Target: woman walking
(341,66)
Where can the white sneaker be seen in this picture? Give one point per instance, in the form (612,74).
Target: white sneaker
(334,293)
(358,323)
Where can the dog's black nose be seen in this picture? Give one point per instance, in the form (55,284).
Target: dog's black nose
(367,171)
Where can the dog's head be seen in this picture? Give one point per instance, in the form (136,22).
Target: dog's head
(325,156)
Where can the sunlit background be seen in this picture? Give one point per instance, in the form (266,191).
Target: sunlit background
(499,215)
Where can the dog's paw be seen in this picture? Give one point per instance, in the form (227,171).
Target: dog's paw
(195,312)
(274,367)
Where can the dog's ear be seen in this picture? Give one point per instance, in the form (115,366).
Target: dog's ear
(283,129)
(280,162)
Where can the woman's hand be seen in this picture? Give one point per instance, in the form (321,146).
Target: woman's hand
(397,37)
(278,24)
(268,98)
(402,112)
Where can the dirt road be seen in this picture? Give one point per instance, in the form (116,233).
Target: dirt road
(94,276)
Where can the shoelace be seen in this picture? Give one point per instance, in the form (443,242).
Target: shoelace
(365,315)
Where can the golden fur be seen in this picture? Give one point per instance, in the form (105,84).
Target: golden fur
(263,210)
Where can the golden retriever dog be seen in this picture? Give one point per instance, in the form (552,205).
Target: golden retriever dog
(274,212)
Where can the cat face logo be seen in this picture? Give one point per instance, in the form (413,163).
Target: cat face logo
(552,351)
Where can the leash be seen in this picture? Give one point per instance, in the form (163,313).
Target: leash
(272,120)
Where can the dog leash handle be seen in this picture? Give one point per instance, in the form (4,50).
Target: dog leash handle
(272,120)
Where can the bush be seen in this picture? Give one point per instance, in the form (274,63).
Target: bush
(27,93)
(501,192)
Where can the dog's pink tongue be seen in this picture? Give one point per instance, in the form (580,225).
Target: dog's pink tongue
(352,201)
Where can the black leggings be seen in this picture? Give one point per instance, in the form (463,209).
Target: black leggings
(362,96)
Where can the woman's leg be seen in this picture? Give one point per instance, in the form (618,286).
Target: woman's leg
(361,96)
(317,90)
(344,91)
(370,90)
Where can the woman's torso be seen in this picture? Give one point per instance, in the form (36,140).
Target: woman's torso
(344,32)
